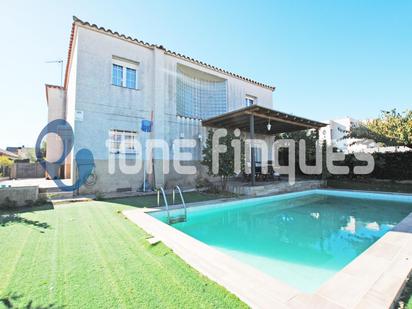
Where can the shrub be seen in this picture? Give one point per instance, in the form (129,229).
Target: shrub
(390,165)
(99,196)
(202,182)
(8,203)
(4,161)
(29,203)
(226,160)
(40,201)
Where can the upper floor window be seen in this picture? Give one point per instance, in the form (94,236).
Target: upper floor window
(131,78)
(117,75)
(249,100)
(124,73)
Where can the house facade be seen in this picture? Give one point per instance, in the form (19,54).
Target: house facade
(114,82)
(8,154)
(336,130)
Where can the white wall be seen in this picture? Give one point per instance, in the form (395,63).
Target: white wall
(108,107)
(335,132)
(105,106)
(56,103)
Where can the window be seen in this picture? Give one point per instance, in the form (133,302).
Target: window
(124,73)
(117,75)
(122,142)
(130,78)
(249,100)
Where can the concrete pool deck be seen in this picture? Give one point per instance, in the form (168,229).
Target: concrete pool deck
(372,280)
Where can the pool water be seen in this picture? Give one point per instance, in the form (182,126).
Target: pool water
(303,239)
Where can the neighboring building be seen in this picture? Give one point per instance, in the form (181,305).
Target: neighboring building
(113,82)
(334,135)
(8,154)
(13,149)
(23,152)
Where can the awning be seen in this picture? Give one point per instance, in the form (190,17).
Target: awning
(279,122)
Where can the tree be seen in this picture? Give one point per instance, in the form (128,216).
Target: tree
(390,129)
(310,137)
(226,160)
(5,163)
(43,149)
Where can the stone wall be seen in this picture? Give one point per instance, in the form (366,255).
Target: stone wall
(272,188)
(27,170)
(18,196)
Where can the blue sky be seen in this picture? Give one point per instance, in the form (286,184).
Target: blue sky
(328,59)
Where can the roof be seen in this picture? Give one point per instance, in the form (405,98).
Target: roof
(8,153)
(280,122)
(54,86)
(13,149)
(77,21)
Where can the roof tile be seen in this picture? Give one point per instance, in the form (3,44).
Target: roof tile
(168,51)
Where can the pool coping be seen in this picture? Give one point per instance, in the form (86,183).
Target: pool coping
(372,280)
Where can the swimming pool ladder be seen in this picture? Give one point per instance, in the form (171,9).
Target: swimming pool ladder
(171,219)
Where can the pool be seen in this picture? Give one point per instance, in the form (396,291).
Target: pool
(300,238)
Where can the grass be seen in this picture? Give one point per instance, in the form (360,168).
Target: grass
(87,255)
(406,296)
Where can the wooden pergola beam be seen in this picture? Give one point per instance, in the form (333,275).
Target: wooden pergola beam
(281,122)
(266,117)
(254,118)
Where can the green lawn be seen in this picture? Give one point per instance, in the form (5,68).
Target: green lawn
(406,296)
(87,255)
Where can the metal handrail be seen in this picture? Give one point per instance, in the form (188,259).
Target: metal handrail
(183,200)
(166,204)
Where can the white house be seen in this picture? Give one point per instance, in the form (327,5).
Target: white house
(113,82)
(334,134)
(336,130)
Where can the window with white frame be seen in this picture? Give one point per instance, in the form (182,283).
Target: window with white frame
(131,78)
(125,73)
(249,100)
(122,142)
(117,75)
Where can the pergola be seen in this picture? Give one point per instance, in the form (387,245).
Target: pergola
(256,119)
